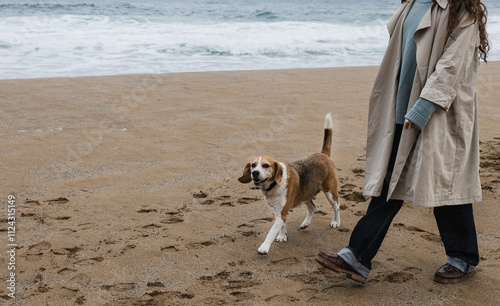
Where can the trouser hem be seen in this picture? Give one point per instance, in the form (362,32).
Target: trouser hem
(460,264)
(351,259)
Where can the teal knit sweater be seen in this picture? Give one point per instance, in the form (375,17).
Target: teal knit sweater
(423,109)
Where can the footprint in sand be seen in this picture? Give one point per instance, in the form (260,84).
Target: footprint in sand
(166,298)
(81,279)
(80,300)
(66,251)
(89,261)
(41,246)
(66,293)
(232,283)
(146,211)
(308,291)
(128,247)
(282,299)
(432,238)
(250,234)
(120,287)
(155,284)
(242,296)
(240,284)
(62,218)
(59,200)
(219,276)
(86,226)
(35,251)
(346,188)
(225,201)
(31,202)
(172,220)
(38,278)
(34,257)
(200,245)
(170,248)
(204,195)
(285,262)
(66,271)
(200,195)
(43,288)
(355,197)
(247,200)
(426,235)
(413,270)
(304,278)
(320,212)
(263,220)
(398,277)
(358,171)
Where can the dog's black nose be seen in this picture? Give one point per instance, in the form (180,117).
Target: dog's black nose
(255,173)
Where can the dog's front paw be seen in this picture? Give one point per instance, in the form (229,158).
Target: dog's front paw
(263,250)
(335,224)
(281,238)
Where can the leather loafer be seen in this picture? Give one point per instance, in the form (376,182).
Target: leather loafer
(448,274)
(338,264)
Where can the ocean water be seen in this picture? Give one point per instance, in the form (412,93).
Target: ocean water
(69,38)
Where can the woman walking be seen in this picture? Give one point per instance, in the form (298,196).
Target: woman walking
(423,143)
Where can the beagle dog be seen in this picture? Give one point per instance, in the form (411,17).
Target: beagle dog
(286,186)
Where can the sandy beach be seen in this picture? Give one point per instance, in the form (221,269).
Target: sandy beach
(127,193)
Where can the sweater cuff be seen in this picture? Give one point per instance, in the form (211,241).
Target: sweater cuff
(421,112)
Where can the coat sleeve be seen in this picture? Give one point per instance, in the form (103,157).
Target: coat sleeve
(459,53)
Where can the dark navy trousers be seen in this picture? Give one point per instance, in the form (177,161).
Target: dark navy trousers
(455,223)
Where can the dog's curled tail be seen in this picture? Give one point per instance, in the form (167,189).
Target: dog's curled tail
(327,140)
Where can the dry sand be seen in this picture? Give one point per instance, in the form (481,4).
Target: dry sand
(127,192)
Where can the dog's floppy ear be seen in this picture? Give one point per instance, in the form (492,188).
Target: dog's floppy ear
(278,174)
(246,177)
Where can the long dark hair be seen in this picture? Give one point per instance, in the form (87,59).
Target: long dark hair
(477,12)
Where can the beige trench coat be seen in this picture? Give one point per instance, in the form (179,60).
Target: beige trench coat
(439,165)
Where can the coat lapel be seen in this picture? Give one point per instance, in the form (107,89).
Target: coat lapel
(422,59)
(426,21)
(422,42)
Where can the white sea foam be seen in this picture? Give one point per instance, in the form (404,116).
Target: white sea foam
(71,45)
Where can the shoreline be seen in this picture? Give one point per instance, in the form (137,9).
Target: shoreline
(189,72)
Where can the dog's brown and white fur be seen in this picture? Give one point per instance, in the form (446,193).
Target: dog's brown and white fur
(286,186)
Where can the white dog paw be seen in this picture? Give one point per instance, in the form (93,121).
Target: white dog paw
(335,224)
(281,238)
(263,250)
(303,227)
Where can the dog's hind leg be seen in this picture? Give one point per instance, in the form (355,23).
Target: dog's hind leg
(311,208)
(336,207)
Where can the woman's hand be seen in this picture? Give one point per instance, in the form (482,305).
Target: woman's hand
(409,124)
